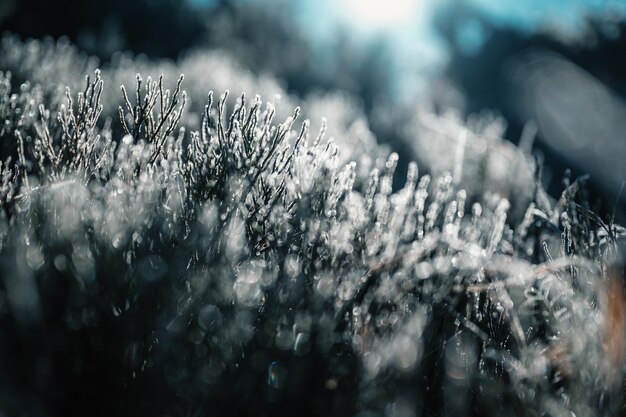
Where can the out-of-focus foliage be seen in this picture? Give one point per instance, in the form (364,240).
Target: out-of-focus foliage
(163,256)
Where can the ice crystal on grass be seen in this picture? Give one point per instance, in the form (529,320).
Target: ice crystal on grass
(243,264)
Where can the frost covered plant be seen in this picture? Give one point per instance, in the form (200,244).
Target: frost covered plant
(241,266)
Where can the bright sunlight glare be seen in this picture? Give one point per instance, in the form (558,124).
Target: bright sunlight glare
(381,13)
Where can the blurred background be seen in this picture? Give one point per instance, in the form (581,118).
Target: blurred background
(550,74)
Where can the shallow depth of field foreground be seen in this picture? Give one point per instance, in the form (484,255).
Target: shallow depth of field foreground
(176,239)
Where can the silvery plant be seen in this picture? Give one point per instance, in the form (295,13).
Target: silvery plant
(169,251)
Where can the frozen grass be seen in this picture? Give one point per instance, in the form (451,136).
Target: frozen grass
(224,261)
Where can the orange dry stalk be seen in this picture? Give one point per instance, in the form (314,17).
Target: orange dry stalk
(614,340)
